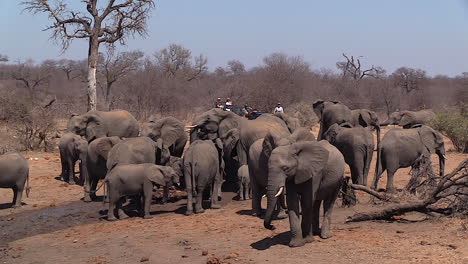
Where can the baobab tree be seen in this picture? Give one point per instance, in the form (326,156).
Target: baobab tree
(107,23)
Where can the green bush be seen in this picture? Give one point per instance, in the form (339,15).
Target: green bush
(455,126)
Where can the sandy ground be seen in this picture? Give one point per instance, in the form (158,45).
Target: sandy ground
(55,226)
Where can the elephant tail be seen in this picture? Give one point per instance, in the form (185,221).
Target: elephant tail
(105,191)
(28,189)
(378,166)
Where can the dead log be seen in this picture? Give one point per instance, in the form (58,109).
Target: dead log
(450,185)
(380,196)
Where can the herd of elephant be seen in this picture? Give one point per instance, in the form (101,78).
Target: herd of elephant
(272,156)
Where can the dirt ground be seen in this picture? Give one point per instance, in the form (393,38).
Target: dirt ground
(56,226)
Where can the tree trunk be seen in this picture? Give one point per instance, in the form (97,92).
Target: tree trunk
(92,65)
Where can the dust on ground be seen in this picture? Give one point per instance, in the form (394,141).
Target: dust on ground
(56,226)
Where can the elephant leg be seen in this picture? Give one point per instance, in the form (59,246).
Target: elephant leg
(256,200)
(199,202)
(307,215)
(87,189)
(17,195)
(214,197)
(294,220)
(121,213)
(189,201)
(64,163)
(246,191)
(370,153)
(390,174)
(71,172)
(377,175)
(316,217)
(112,204)
(165,194)
(241,190)
(147,198)
(327,212)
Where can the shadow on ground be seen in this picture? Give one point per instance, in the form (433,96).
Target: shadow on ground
(267,242)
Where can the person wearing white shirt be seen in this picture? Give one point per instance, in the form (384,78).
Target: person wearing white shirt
(279,109)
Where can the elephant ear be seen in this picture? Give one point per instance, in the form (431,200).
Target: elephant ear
(104,145)
(95,127)
(270,142)
(300,135)
(311,159)
(430,138)
(405,120)
(331,133)
(318,106)
(229,120)
(156,175)
(291,122)
(170,133)
(364,118)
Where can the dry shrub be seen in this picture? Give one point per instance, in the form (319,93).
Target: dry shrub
(304,112)
(455,126)
(33,124)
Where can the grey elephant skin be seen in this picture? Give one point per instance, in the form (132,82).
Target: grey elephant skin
(96,159)
(203,167)
(138,150)
(357,146)
(216,123)
(244,182)
(259,154)
(408,119)
(14,174)
(402,147)
(312,173)
(135,179)
(72,148)
(95,124)
(329,113)
(170,130)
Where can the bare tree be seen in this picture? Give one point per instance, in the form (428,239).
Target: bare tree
(31,77)
(115,21)
(116,66)
(67,66)
(352,67)
(176,61)
(408,79)
(236,67)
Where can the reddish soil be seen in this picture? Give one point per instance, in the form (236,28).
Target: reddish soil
(55,226)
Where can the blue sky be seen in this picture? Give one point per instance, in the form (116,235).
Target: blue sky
(427,34)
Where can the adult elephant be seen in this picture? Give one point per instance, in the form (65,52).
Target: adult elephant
(402,147)
(312,173)
(407,119)
(96,160)
(170,130)
(357,146)
(138,150)
(216,123)
(96,124)
(259,154)
(329,113)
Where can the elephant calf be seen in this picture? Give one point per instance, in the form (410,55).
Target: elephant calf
(72,148)
(203,167)
(244,182)
(14,174)
(136,179)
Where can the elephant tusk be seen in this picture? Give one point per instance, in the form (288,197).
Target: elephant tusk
(280,191)
(445,157)
(190,126)
(263,196)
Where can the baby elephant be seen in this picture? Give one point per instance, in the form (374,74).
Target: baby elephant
(244,183)
(136,179)
(14,174)
(72,148)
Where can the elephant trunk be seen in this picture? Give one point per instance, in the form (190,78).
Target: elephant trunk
(386,123)
(275,183)
(83,169)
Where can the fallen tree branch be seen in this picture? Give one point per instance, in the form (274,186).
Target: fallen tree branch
(425,206)
(380,196)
